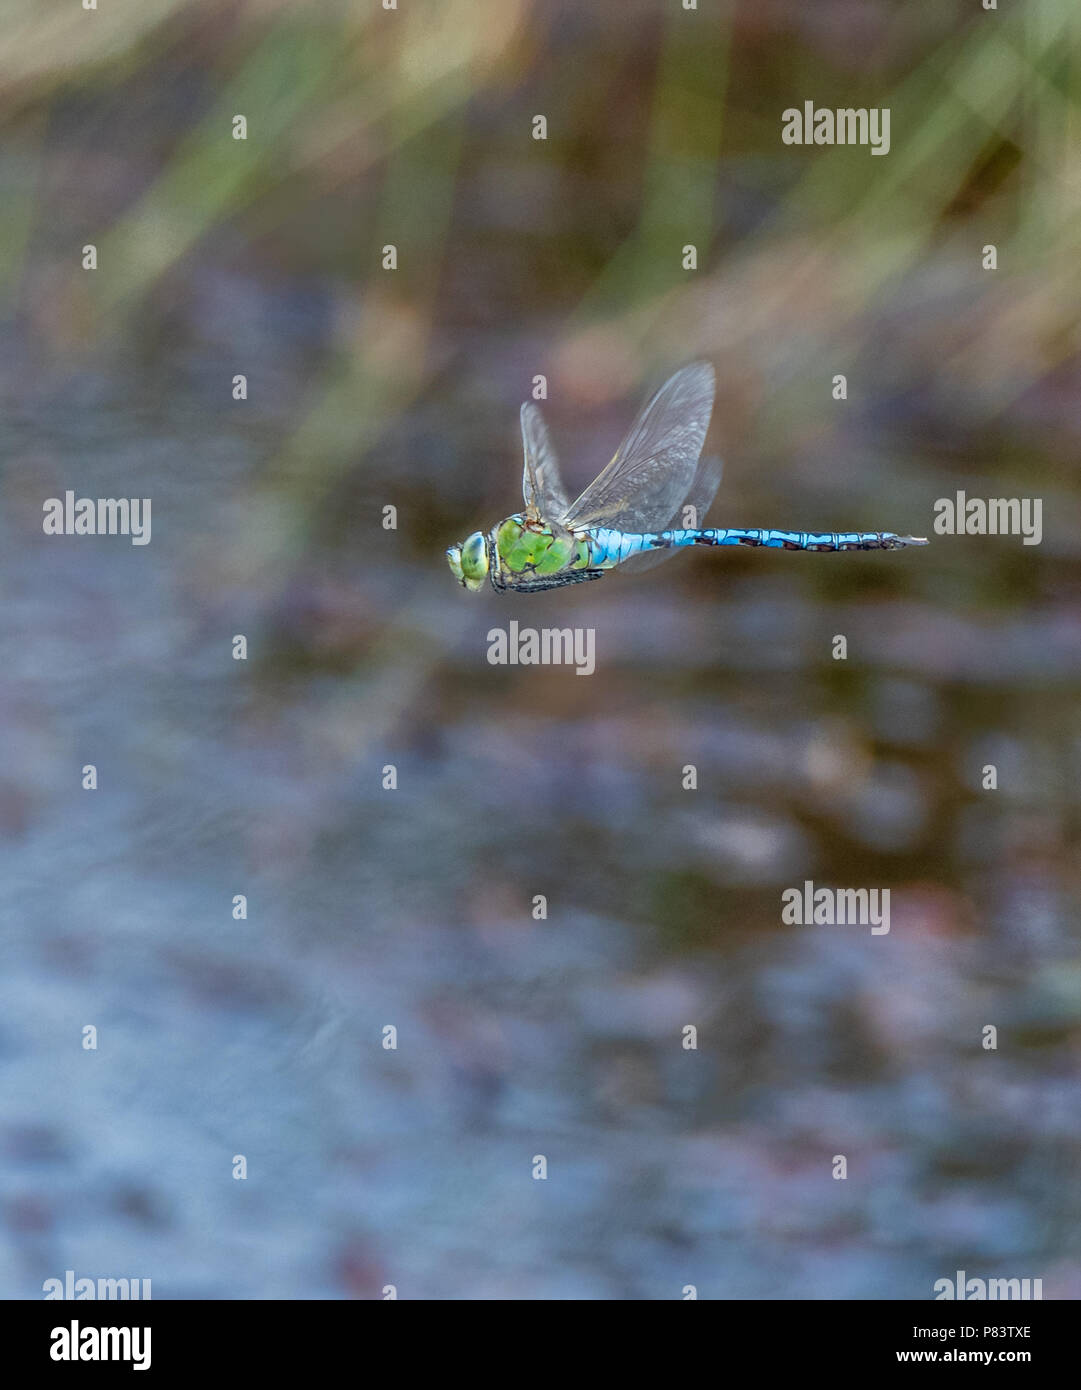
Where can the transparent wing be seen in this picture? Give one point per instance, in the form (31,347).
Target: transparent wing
(542,486)
(703,490)
(654,468)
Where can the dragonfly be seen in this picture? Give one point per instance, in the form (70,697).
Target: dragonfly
(627,517)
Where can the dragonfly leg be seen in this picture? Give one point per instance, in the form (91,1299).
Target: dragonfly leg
(536,583)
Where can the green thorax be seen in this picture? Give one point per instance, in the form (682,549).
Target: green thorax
(526,547)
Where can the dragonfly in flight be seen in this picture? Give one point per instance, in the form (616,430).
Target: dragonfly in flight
(627,516)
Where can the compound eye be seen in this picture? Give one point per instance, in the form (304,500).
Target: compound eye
(474,556)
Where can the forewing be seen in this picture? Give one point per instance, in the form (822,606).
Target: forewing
(654,468)
(542,486)
(703,490)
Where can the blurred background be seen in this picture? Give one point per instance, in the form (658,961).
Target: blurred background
(370,388)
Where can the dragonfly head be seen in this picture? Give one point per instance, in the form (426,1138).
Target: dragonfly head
(469,561)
